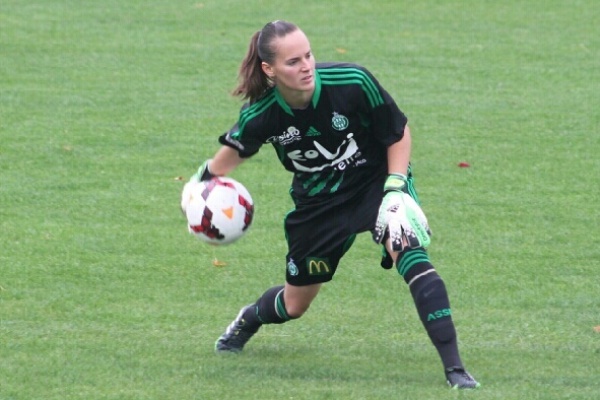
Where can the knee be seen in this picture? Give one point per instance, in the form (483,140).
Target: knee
(297,299)
(296,309)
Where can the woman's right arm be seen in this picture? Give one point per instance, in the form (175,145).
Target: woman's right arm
(225,160)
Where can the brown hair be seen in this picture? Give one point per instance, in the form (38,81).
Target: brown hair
(253,82)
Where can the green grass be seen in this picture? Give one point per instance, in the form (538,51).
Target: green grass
(103,294)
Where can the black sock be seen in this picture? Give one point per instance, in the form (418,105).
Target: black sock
(268,309)
(433,306)
(431,298)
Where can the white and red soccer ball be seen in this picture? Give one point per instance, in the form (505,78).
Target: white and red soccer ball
(219,211)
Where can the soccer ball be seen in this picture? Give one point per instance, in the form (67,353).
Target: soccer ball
(218,211)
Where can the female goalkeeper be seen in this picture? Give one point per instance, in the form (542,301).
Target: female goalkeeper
(348,146)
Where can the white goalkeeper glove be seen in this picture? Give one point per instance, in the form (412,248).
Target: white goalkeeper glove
(400,217)
(203,174)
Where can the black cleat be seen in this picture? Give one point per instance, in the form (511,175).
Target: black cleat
(236,335)
(458,378)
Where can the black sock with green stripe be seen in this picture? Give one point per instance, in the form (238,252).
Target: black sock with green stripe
(433,306)
(268,309)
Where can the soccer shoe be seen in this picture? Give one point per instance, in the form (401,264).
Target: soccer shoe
(236,335)
(458,378)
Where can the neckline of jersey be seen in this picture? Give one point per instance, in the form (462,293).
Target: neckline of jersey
(315,97)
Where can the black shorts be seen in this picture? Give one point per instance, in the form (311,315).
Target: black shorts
(319,234)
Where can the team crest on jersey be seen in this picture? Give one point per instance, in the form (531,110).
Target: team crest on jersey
(339,122)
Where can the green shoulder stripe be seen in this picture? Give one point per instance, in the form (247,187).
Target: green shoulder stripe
(255,109)
(345,76)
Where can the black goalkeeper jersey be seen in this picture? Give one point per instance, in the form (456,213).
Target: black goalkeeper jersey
(337,144)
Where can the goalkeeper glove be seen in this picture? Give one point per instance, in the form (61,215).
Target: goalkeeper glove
(203,174)
(400,217)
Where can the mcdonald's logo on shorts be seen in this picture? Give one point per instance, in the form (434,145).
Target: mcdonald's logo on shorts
(318,266)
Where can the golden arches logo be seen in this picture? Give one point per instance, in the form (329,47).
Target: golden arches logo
(318,266)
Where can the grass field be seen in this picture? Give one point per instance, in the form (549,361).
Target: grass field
(104,295)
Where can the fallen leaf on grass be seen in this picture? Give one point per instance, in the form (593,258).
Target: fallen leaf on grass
(219,263)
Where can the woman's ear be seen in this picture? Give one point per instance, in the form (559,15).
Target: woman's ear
(268,70)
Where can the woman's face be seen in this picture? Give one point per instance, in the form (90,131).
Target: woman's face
(293,70)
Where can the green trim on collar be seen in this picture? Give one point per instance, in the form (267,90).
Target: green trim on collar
(317,92)
(282,102)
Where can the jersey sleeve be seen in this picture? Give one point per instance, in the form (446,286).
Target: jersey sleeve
(388,122)
(244,141)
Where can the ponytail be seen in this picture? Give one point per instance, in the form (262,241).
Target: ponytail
(253,82)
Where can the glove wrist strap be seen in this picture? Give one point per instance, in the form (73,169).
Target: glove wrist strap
(395,183)
(203,173)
